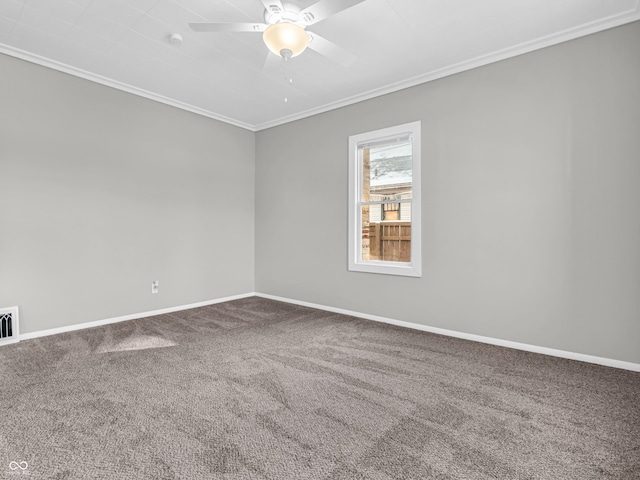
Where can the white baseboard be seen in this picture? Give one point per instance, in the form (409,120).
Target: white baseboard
(608,362)
(97,323)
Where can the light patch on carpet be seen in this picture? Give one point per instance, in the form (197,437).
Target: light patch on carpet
(140,342)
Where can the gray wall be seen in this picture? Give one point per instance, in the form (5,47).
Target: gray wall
(102,192)
(531,201)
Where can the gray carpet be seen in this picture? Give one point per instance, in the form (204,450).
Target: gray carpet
(257,389)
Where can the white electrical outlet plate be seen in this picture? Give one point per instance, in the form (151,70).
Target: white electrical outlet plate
(154,286)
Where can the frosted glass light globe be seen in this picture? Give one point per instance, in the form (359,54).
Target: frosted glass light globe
(286,39)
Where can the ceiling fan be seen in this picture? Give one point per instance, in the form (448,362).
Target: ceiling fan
(285,28)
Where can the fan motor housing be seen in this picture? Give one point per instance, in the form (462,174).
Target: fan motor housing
(290,13)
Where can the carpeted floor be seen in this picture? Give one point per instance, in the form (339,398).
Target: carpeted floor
(257,389)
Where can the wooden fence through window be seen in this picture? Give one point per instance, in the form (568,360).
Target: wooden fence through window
(390,241)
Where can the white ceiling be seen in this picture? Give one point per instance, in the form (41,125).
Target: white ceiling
(397,43)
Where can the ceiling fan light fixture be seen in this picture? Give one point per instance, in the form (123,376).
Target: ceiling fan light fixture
(286,39)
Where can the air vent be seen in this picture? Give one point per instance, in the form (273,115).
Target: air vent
(8,325)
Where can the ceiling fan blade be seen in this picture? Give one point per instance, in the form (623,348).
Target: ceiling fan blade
(273,6)
(331,50)
(325,8)
(227,27)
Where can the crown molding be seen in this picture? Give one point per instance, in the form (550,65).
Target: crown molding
(622,18)
(78,72)
(606,23)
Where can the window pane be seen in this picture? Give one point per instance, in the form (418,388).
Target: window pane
(387,172)
(386,232)
(384,201)
(365,254)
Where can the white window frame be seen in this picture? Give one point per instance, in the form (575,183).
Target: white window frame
(356,264)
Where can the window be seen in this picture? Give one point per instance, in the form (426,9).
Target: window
(384,201)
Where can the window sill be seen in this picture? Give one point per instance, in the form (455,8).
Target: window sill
(386,268)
